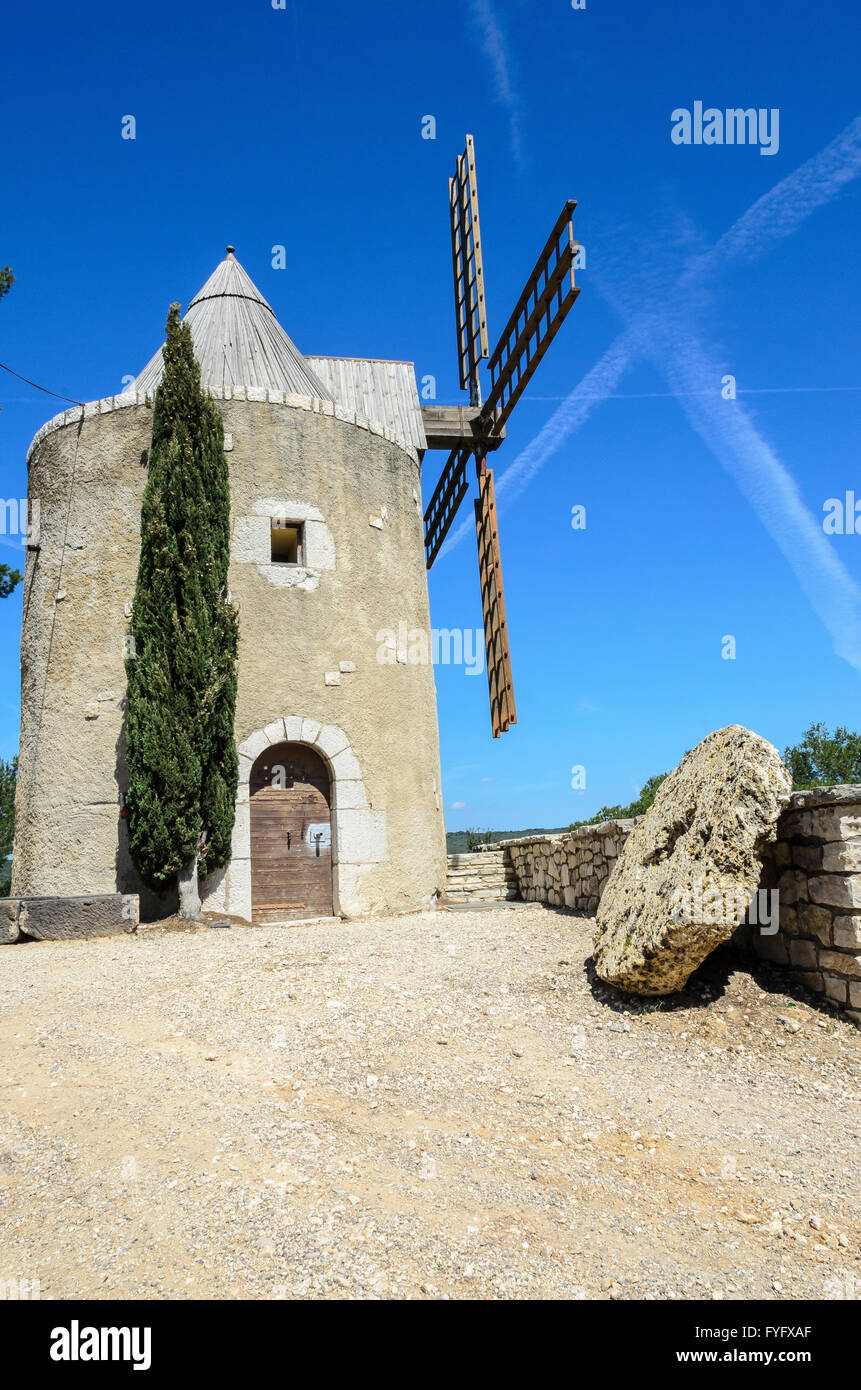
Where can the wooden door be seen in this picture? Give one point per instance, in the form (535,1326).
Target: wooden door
(291,835)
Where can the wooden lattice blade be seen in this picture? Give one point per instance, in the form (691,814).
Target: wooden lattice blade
(540,312)
(469,304)
(499,681)
(448,494)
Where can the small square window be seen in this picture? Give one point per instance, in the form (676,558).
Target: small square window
(288,542)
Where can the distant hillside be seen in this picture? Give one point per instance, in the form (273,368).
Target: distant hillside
(456,840)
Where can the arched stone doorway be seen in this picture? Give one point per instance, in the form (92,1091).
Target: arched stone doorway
(291,835)
(358,829)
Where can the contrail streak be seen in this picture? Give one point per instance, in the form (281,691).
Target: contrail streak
(496,52)
(725,426)
(727,429)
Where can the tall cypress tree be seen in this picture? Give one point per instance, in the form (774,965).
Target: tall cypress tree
(182,762)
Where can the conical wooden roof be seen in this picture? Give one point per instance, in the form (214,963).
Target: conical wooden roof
(238,341)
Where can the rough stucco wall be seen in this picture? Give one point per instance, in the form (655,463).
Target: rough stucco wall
(69,839)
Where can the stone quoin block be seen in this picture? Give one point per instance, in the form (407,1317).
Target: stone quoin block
(841,964)
(348,881)
(774,948)
(807,857)
(803,954)
(812,919)
(847,933)
(836,989)
(844,857)
(792,886)
(835,890)
(350,795)
(790,923)
(811,980)
(241,840)
(239,888)
(831,823)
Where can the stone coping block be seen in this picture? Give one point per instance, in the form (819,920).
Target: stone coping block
(839,795)
(824,796)
(65,919)
(582,832)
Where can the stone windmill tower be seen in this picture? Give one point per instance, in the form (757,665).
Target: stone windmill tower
(339,799)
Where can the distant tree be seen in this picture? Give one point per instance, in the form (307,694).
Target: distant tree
(8,777)
(822,759)
(8,580)
(182,761)
(474,838)
(634,808)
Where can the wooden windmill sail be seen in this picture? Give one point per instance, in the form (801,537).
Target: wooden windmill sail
(473,432)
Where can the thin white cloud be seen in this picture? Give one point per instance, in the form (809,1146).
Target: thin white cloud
(457,806)
(780,212)
(495,49)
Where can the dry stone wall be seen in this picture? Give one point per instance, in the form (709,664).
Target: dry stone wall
(570,869)
(814,864)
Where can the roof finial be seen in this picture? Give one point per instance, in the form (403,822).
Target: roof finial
(230,250)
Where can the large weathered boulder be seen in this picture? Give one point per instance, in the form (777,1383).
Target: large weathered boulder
(682,883)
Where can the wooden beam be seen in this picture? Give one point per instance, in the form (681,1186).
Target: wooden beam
(451,426)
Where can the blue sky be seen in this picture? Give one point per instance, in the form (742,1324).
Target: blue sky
(302,127)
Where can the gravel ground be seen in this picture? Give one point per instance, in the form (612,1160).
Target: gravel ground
(439,1105)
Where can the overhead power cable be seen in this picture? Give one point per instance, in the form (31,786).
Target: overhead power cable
(59,397)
